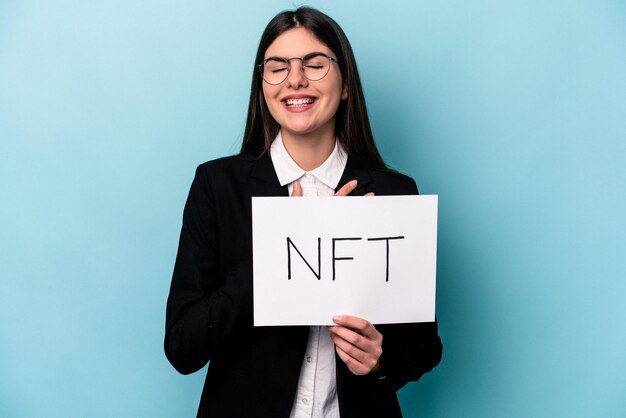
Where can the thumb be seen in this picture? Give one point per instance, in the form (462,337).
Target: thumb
(297,189)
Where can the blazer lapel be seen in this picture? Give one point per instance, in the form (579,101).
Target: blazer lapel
(264,181)
(361,175)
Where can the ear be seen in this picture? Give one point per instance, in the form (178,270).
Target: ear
(344,92)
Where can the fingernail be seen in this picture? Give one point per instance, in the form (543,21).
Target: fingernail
(337,318)
(353,183)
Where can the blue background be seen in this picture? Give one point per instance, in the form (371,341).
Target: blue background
(513,112)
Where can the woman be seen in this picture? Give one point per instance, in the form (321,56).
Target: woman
(307,133)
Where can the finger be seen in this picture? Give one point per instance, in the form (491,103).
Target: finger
(355,366)
(358,324)
(347,188)
(351,337)
(353,351)
(361,354)
(369,194)
(348,340)
(297,189)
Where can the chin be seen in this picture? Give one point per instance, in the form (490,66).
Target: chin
(299,130)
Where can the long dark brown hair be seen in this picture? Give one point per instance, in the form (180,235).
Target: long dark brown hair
(352,126)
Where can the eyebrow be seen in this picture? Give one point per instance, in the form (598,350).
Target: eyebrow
(309,55)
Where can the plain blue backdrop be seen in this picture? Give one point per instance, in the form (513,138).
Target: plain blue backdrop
(513,112)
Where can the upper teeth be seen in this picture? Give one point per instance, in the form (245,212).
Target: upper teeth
(296,102)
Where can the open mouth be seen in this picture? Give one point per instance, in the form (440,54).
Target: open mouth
(301,102)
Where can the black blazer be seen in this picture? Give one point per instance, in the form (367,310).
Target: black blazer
(253,372)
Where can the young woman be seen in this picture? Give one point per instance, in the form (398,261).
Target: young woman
(307,133)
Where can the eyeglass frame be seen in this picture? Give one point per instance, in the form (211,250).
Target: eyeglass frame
(288,61)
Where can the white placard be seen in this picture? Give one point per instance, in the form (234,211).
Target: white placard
(371,257)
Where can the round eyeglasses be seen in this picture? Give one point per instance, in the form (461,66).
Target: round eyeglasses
(314,66)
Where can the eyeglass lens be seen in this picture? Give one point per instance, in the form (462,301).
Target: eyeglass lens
(275,70)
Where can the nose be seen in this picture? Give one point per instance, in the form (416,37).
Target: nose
(296,78)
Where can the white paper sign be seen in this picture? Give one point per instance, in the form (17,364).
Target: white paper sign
(371,257)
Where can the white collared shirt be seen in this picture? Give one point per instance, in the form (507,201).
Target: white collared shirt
(316,395)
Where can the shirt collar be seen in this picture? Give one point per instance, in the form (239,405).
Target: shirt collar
(288,171)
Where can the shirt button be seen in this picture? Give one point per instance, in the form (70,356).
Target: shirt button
(305,401)
(309,359)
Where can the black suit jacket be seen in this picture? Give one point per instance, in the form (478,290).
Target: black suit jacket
(253,372)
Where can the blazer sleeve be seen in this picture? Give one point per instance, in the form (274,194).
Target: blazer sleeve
(409,350)
(205,306)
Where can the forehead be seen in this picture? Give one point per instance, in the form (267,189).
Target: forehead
(296,42)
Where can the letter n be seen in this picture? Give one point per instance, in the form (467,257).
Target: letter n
(317,274)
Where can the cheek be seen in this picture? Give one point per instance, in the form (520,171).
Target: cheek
(340,91)
(269,97)
(338,95)
(269,91)
(265,94)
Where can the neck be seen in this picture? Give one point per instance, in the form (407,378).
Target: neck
(309,151)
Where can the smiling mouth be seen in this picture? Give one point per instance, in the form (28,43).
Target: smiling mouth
(299,102)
